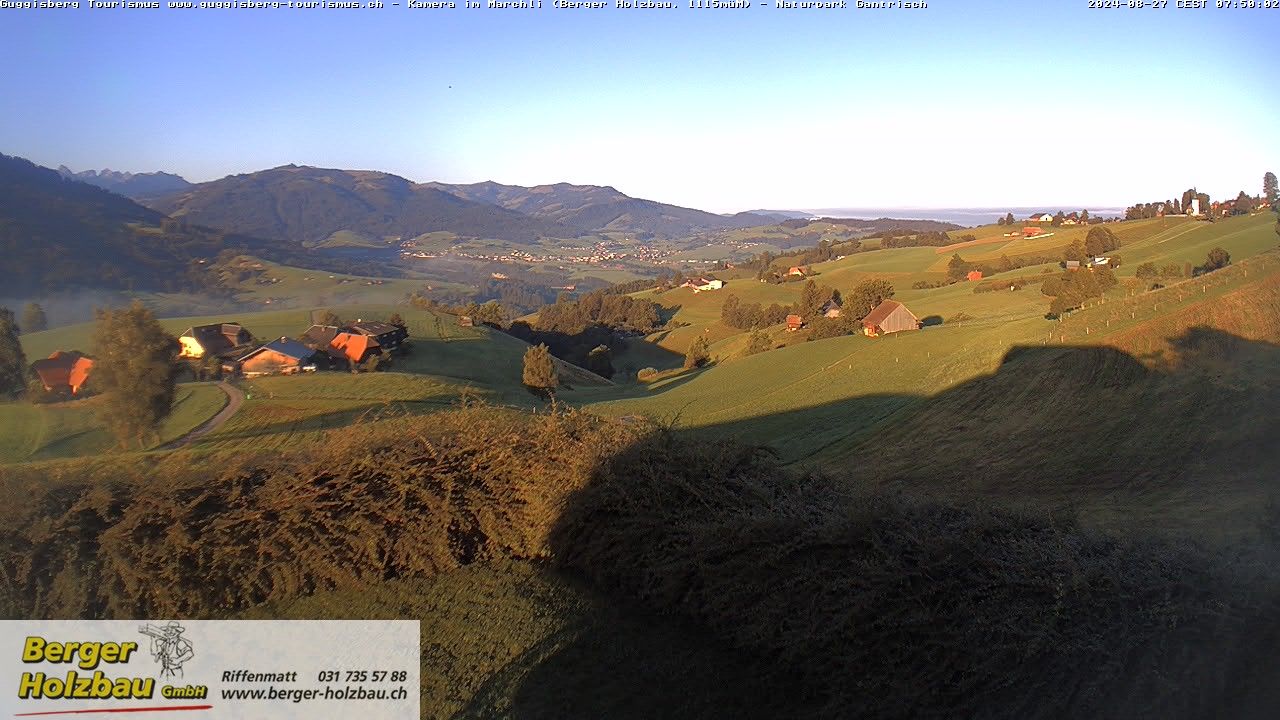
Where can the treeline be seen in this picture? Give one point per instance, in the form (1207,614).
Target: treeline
(1073,288)
(581,331)
(814,300)
(924,239)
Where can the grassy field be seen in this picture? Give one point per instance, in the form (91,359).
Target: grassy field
(41,432)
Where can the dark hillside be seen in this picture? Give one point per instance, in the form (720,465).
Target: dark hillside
(305,205)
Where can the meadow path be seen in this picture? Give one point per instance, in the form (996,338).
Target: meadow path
(235,398)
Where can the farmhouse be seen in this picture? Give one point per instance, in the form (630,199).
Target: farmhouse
(794,323)
(388,336)
(1042,217)
(465,321)
(1031,231)
(63,371)
(353,348)
(218,339)
(700,284)
(889,316)
(974,275)
(278,357)
(342,345)
(798,270)
(831,308)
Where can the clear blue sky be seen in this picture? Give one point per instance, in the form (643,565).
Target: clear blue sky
(961,104)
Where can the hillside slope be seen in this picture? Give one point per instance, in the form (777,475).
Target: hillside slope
(307,205)
(596,208)
(59,234)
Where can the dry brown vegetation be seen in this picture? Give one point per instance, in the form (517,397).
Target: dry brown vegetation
(399,498)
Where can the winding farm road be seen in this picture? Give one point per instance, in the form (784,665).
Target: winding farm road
(235,398)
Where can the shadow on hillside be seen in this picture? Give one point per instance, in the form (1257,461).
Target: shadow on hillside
(944,574)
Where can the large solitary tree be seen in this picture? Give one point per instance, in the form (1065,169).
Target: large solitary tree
(699,353)
(539,369)
(135,367)
(13,363)
(1270,190)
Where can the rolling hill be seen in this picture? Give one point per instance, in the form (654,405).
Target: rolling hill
(59,234)
(307,205)
(594,208)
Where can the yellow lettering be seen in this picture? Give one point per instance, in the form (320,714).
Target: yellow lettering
(33,651)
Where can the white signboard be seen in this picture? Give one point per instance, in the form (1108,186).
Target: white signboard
(195,669)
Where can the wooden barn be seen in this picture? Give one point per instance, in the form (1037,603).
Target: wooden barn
(278,357)
(974,275)
(794,322)
(63,371)
(889,316)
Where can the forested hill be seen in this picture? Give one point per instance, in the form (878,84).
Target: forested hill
(601,208)
(305,205)
(59,234)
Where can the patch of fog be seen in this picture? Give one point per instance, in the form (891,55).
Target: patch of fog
(69,308)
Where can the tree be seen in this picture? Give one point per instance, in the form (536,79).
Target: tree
(1216,260)
(1084,217)
(1243,204)
(1100,241)
(135,367)
(1146,271)
(1270,190)
(864,297)
(600,361)
(811,300)
(957,268)
(1058,218)
(13,362)
(540,370)
(757,342)
(396,320)
(329,317)
(1008,219)
(33,318)
(1000,220)
(699,353)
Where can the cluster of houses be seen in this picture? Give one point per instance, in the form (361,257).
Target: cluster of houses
(890,316)
(235,350)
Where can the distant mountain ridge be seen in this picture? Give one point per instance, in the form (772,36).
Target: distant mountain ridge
(597,208)
(306,205)
(131,185)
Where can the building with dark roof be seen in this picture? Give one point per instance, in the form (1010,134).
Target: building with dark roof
(278,357)
(889,316)
(63,371)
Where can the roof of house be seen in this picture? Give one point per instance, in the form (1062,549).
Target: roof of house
(831,304)
(795,320)
(319,335)
(284,346)
(881,311)
(217,337)
(353,346)
(62,368)
(372,327)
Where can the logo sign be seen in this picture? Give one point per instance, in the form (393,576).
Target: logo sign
(210,668)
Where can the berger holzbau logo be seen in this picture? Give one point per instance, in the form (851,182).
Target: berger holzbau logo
(100,670)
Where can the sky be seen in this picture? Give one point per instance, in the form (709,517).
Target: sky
(974,103)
